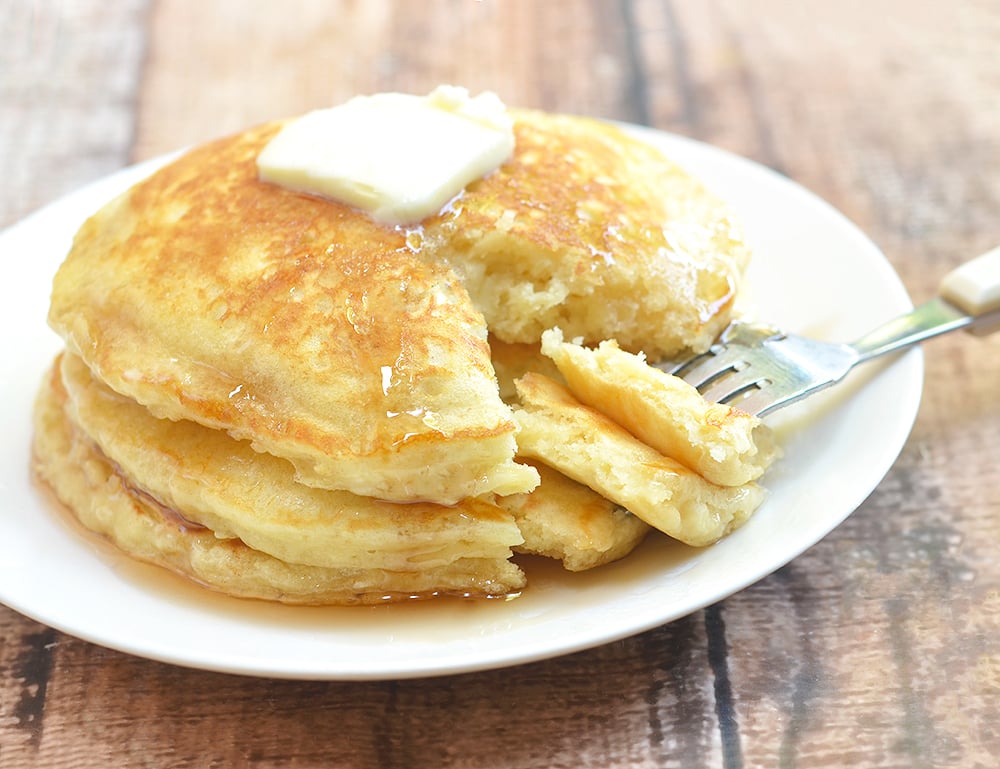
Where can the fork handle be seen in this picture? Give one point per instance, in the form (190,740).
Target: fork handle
(969,298)
(974,287)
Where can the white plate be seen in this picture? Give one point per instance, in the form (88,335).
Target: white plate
(813,273)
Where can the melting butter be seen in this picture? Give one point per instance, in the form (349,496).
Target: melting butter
(397,156)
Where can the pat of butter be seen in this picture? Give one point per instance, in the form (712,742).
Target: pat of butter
(397,156)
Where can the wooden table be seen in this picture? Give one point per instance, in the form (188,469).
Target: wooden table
(879,647)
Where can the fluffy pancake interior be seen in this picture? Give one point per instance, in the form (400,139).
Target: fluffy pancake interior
(597,232)
(566,520)
(513,360)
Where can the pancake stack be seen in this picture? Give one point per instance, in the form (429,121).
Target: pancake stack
(281,398)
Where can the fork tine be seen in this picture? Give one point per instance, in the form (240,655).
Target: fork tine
(682,367)
(766,400)
(704,369)
(759,402)
(758,368)
(732,384)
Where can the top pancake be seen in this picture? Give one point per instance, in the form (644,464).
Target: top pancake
(357,350)
(294,322)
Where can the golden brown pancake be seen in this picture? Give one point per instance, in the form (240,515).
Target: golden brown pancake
(594,231)
(587,446)
(223,484)
(106,501)
(722,444)
(293,322)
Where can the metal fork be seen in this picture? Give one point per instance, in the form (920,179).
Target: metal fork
(759,368)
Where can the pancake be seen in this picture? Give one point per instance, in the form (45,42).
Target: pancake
(594,231)
(296,323)
(588,447)
(567,521)
(218,482)
(106,501)
(721,443)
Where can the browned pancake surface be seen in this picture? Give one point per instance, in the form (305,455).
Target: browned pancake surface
(294,322)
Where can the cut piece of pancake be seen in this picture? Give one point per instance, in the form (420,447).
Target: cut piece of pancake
(105,501)
(587,446)
(722,444)
(567,521)
(595,231)
(293,322)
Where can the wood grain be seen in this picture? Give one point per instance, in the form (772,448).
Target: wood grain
(879,647)
(69,75)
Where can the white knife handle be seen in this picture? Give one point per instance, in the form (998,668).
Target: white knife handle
(974,288)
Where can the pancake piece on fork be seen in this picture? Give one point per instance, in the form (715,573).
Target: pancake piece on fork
(721,443)
(589,447)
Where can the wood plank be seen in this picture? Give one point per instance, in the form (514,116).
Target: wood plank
(68,81)
(875,639)
(69,73)
(329,51)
